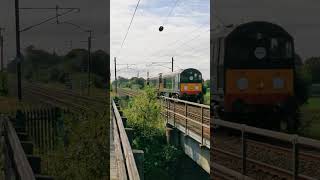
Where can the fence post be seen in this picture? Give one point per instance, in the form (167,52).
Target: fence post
(186,115)
(37,127)
(59,127)
(129,132)
(167,107)
(202,126)
(295,158)
(174,113)
(125,121)
(139,159)
(20,120)
(41,130)
(243,149)
(172,135)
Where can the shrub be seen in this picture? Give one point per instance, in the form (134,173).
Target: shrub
(143,113)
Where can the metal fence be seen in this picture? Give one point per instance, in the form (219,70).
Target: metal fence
(192,119)
(44,127)
(294,145)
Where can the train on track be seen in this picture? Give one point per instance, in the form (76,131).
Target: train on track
(253,71)
(185,84)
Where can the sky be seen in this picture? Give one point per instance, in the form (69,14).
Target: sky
(186,36)
(186,30)
(299,17)
(50,36)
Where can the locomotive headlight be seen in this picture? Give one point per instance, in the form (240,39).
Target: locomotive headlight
(196,87)
(185,88)
(278,83)
(242,83)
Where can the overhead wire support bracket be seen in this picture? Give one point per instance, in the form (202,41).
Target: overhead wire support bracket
(57,8)
(77,27)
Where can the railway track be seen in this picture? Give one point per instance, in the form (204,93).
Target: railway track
(264,160)
(63,98)
(127,92)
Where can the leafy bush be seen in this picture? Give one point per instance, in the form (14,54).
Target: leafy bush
(143,113)
(303,83)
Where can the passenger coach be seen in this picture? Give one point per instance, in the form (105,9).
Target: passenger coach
(185,84)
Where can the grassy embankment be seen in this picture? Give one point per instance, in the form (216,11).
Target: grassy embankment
(311,118)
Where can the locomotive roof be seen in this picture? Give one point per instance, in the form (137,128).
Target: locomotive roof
(173,73)
(252,27)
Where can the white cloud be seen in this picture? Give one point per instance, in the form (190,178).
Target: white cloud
(185,37)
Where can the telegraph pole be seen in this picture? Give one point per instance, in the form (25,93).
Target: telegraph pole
(148,78)
(172,65)
(115,74)
(1,44)
(89,61)
(18,51)
(18,31)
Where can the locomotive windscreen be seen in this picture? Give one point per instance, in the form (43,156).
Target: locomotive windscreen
(259,47)
(272,48)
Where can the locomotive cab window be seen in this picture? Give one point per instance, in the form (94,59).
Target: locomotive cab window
(280,48)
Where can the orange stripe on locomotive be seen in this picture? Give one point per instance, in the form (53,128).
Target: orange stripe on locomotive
(258,87)
(190,88)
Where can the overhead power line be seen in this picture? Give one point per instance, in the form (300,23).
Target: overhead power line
(170,12)
(125,37)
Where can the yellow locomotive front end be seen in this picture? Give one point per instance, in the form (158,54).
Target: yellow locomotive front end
(253,72)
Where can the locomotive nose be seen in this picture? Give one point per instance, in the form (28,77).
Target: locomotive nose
(260,85)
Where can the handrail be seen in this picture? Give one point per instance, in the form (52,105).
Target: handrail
(185,128)
(295,140)
(14,147)
(186,102)
(270,134)
(121,168)
(131,166)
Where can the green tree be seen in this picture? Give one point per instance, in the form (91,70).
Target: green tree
(313,66)
(303,79)
(144,116)
(303,82)
(144,112)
